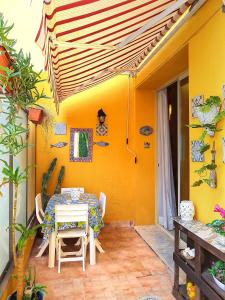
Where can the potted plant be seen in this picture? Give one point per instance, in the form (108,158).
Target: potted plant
(217,271)
(13,139)
(26,234)
(35,115)
(32,290)
(218,225)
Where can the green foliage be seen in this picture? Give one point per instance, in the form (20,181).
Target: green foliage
(83,145)
(59,180)
(25,91)
(211,166)
(218,270)
(14,176)
(5,41)
(12,138)
(45,180)
(31,287)
(204,148)
(211,101)
(25,233)
(201,181)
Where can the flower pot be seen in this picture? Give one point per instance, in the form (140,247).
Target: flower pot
(4,62)
(207,117)
(187,210)
(35,115)
(219,284)
(13,296)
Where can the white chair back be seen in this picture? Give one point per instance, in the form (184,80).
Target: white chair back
(38,208)
(71,213)
(102,203)
(75,192)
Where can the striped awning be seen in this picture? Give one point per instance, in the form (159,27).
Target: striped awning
(86,42)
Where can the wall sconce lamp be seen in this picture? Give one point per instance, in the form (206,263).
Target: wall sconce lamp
(101,116)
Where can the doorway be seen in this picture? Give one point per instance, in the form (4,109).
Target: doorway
(175,164)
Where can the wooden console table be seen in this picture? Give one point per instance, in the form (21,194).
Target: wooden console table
(207,250)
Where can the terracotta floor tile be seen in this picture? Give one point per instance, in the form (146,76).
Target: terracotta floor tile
(127,270)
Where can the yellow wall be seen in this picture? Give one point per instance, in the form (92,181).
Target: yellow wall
(203,36)
(31,178)
(113,169)
(198,47)
(207,74)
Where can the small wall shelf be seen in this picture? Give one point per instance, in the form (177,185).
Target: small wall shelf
(203,239)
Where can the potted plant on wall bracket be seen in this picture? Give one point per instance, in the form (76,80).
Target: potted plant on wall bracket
(209,114)
(23,80)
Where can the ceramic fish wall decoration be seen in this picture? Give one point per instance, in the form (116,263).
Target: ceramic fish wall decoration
(146,130)
(59,145)
(101,144)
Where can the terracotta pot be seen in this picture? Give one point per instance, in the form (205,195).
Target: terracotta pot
(4,62)
(35,115)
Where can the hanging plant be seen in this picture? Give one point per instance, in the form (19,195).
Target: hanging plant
(22,80)
(209,115)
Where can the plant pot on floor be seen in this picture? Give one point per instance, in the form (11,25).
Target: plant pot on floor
(40,296)
(35,115)
(219,284)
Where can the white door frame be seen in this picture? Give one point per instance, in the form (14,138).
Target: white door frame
(177,79)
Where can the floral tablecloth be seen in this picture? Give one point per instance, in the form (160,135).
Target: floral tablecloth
(95,218)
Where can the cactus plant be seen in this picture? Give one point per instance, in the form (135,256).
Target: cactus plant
(45,180)
(59,180)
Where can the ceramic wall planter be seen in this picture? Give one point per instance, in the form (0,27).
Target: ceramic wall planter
(219,284)
(187,210)
(35,115)
(207,117)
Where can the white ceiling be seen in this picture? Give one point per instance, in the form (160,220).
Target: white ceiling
(26,16)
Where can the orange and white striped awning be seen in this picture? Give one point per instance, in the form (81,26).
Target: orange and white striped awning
(86,42)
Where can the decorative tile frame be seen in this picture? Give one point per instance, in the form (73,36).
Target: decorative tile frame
(89,132)
(196,101)
(195,154)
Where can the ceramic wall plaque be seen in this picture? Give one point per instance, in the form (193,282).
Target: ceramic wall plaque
(196,101)
(146,130)
(195,153)
(60,128)
(101,129)
(223,148)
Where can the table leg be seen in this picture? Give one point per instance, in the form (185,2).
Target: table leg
(51,255)
(92,247)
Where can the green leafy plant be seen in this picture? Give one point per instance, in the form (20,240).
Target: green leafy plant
(32,289)
(212,101)
(45,180)
(25,233)
(22,80)
(218,270)
(59,180)
(5,41)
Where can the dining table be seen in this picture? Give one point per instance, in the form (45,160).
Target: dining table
(95,223)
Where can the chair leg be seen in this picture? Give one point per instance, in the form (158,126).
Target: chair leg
(98,246)
(59,254)
(42,247)
(78,242)
(83,252)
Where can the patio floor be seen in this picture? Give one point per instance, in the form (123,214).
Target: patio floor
(128,270)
